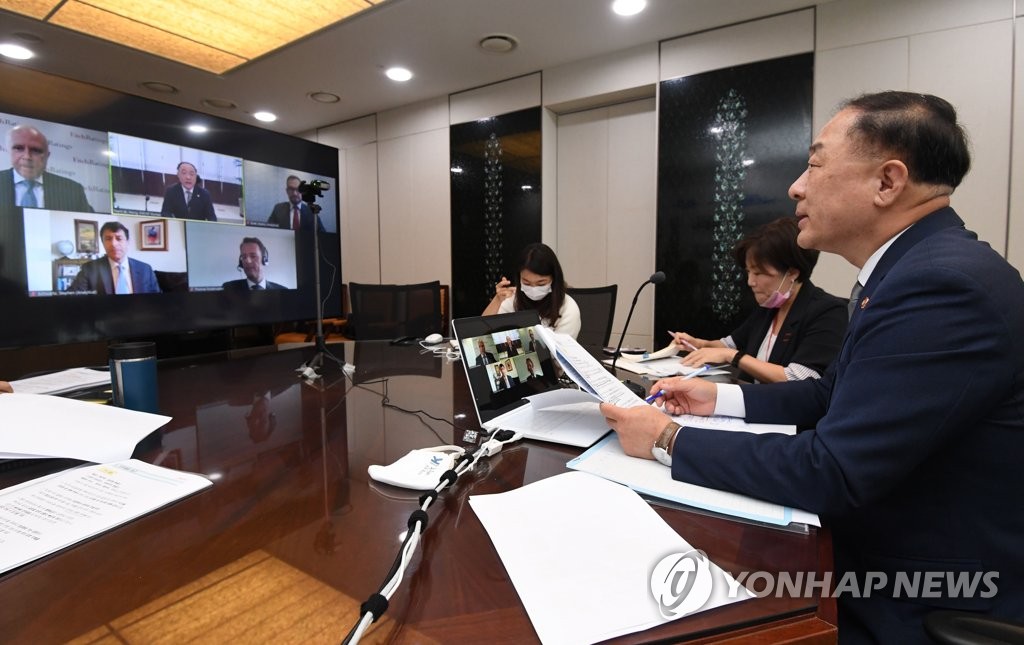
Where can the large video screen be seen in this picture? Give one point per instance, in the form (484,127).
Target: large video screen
(120,223)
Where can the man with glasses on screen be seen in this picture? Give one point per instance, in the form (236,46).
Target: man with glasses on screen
(294,213)
(115,273)
(28,184)
(187,199)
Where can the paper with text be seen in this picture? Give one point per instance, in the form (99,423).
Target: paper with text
(586,371)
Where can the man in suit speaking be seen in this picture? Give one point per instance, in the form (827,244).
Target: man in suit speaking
(115,273)
(294,213)
(27,183)
(187,199)
(916,430)
(252,257)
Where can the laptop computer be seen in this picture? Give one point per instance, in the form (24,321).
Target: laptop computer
(514,383)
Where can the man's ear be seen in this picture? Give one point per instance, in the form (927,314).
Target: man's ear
(892,180)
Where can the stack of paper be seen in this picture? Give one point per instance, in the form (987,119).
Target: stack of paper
(59,382)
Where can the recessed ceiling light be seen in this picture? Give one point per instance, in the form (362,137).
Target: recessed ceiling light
(399,74)
(498,43)
(628,7)
(266,117)
(324,97)
(17,52)
(220,104)
(159,87)
(197,128)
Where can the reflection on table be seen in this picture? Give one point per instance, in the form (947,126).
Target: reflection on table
(293,535)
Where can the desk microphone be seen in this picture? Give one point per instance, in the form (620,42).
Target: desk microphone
(656,278)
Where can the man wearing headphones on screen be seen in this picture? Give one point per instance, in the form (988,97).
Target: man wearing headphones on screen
(252,257)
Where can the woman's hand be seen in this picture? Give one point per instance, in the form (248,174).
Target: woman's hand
(5,387)
(504,290)
(708,355)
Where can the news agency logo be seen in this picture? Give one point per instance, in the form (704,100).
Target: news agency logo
(681,583)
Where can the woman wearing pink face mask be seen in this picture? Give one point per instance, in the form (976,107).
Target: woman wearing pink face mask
(541,286)
(798,328)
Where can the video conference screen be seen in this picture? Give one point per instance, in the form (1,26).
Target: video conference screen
(141,229)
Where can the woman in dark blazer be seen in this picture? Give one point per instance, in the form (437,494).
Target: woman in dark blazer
(796,331)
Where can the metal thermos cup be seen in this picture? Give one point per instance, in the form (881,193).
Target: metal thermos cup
(133,376)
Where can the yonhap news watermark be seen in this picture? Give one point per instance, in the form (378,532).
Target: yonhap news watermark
(682,583)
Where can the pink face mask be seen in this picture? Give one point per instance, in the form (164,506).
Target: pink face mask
(775,300)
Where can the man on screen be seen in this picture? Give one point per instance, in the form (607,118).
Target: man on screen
(27,183)
(187,199)
(294,213)
(115,273)
(252,257)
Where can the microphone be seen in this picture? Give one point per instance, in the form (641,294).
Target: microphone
(656,278)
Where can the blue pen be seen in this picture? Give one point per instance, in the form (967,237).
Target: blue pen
(703,369)
(654,397)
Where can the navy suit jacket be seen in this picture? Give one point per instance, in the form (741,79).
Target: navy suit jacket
(59,193)
(243,285)
(201,206)
(915,456)
(97,276)
(281,217)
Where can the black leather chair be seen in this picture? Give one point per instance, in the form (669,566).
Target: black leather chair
(949,627)
(390,311)
(597,310)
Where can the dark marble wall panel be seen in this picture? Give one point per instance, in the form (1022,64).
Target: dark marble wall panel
(730,143)
(496,205)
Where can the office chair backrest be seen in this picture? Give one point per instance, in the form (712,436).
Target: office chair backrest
(597,310)
(386,311)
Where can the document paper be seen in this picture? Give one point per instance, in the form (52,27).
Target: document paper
(580,551)
(47,514)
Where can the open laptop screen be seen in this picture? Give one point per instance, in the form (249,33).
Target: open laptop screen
(504,360)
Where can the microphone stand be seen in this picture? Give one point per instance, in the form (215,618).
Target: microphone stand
(656,278)
(310,367)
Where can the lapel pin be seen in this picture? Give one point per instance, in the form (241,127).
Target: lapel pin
(864,302)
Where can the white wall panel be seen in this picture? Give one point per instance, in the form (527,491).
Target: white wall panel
(601,76)
(852,22)
(360,234)
(410,119)
(749,42)
(415,208)
(1016,232)
(500,98)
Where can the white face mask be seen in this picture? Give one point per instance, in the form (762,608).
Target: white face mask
(536,293)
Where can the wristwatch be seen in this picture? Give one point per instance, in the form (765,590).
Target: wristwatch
(662,449)
(735,362)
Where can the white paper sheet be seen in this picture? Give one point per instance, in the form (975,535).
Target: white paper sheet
(65,381)
(566,416)
(580,551)
(38,425)
(47,514)
(586,371)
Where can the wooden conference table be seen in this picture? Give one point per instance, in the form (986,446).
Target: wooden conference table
(293,535)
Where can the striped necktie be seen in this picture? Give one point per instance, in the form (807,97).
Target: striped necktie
(854,297)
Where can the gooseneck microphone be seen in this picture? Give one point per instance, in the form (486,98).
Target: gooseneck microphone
(656,278)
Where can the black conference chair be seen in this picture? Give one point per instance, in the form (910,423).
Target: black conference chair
(948,627)
(390,311)
(597,310)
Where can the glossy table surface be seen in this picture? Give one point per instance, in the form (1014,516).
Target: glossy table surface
(293,535)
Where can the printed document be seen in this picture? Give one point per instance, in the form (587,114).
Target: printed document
(45,515)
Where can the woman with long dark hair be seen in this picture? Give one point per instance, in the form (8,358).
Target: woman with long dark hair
(538,285)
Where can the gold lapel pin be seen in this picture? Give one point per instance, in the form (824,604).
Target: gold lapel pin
(864,302)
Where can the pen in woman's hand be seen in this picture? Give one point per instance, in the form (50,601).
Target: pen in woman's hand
(682,341)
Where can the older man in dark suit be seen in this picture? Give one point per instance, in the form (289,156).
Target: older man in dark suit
(294,213)
(115,273)
(27,183)
(913,458)
(187,199)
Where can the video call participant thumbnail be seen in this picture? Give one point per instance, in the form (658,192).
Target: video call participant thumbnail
(294,214)
(27,183)
(115,273)
(187,199)
(252,258)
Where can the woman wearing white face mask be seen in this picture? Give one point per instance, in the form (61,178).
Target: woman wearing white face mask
(541,286)
(796,331)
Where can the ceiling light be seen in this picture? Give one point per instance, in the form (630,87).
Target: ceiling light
(159,87)
(324,97)
(266,117)
(197,128)
(399,74)
(17,52)
(498,43)
(628,7)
